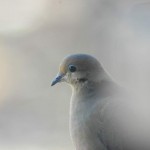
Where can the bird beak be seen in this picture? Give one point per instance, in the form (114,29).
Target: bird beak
(58,79)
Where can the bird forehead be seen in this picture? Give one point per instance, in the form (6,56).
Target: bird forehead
(64,65)
(80,63)
(83,62)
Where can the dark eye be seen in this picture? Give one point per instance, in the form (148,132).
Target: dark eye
(72,68)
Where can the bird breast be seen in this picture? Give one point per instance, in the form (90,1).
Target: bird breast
(81,123)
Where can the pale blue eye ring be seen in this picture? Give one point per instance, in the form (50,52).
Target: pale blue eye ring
(72,68)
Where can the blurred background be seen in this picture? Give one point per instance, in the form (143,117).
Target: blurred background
(35,35)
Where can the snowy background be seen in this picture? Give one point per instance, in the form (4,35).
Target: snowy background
(35,35)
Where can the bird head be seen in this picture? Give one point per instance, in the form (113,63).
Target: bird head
(78,68)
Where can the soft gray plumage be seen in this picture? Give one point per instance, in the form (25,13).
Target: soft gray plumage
(103,116)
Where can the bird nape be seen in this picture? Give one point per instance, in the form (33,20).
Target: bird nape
(103,115)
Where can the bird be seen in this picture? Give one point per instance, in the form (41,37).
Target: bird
(103,114)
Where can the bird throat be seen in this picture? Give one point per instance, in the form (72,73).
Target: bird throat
(84,87)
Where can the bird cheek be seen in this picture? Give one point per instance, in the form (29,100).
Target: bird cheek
(74,78)
(64,79)
(67,77)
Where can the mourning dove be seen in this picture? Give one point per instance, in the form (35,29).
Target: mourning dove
(101,113)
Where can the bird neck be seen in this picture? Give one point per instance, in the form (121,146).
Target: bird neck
(91,89)
(86,86)
(83,88)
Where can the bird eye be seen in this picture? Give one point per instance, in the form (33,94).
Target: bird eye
(72,68)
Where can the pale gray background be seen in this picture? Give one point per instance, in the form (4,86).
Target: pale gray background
(34,37)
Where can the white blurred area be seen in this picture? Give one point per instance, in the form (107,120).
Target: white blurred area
(34,37)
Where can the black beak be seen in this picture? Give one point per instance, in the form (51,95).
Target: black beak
(57,79)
